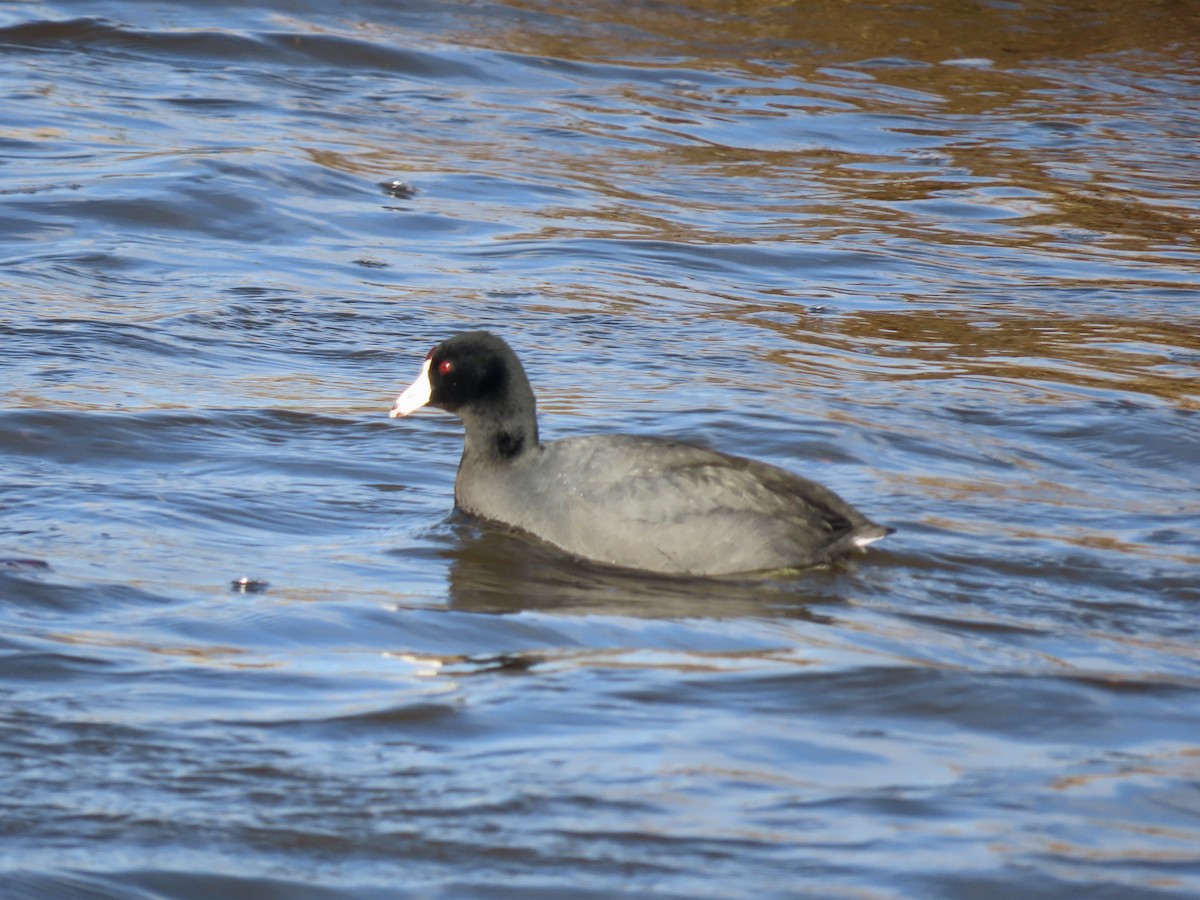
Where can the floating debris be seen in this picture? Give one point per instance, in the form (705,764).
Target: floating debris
(245,585)
(400,189)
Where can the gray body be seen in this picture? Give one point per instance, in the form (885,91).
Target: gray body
(662,506)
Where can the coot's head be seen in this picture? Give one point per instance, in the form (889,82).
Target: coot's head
(477,377)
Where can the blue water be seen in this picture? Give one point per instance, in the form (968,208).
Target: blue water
(942,258)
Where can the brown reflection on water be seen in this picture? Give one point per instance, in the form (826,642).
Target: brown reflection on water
(767,30)
(1156,358)
(1065,104)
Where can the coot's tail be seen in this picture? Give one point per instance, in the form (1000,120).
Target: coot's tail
(867,533)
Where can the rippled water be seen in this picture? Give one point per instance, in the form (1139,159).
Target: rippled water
(943,258)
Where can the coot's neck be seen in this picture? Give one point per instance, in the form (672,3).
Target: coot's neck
(505,427)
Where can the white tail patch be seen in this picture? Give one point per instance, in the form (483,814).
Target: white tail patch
(875,533)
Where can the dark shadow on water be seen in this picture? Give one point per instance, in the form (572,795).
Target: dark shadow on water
(494,571)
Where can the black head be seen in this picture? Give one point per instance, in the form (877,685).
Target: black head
(476,368)
(477,377)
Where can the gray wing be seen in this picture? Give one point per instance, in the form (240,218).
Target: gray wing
(672,507)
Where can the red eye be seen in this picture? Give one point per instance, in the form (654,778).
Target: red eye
(445,367)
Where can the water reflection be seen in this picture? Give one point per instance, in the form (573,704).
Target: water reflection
(1065,354)
(494,571)
(765,34)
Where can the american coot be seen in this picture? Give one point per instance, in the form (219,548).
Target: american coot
(636,502)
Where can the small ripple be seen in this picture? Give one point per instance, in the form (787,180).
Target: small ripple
(226,47)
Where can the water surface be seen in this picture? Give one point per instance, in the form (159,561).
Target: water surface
(942,258)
